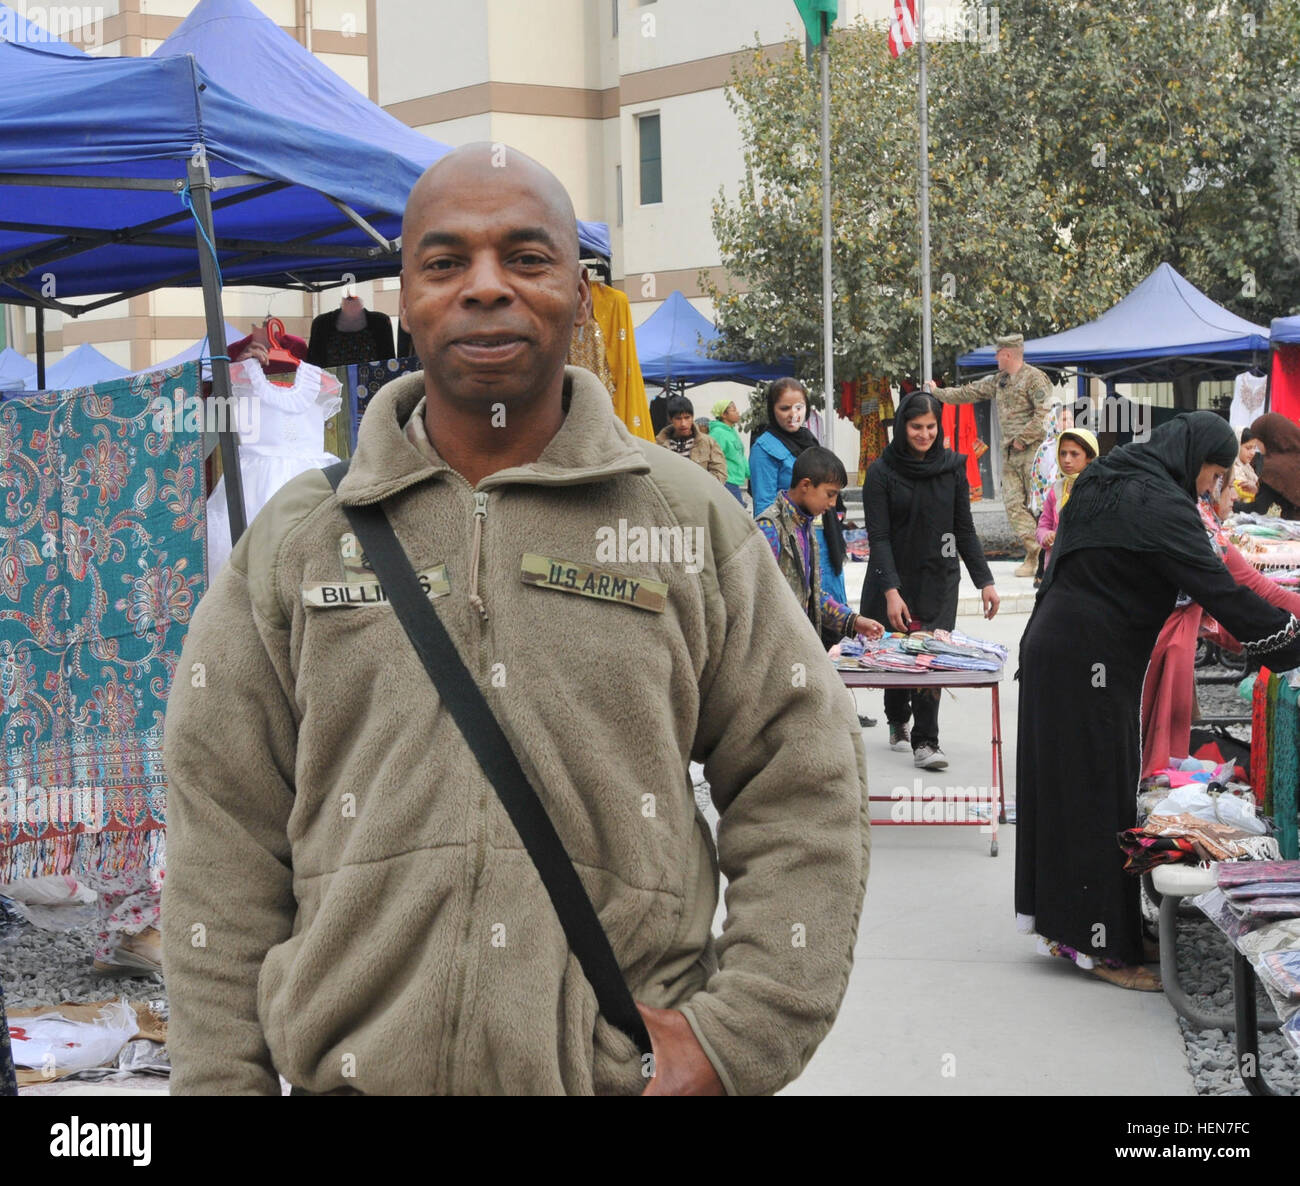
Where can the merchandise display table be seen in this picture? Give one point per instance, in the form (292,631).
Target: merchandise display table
(859,677)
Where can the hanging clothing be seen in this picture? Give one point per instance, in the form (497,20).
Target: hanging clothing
(1284,382)
(960,436)
(1132,538)
(1248,393)
(613,313)
(587,350)
(868,403)
(366,378)
(1169,692)
(333,347)
(289,429)
(99,577)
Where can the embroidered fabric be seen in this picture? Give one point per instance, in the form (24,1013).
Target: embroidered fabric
(1274,641)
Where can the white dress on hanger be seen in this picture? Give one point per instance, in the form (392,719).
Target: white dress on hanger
(285,438)
(1248,393)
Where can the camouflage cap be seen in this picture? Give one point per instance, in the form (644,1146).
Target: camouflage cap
(1010,342)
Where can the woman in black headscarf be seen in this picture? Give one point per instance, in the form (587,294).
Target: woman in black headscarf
(1128,541)
(917,504)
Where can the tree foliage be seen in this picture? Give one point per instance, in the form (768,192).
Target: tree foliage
(1073,147)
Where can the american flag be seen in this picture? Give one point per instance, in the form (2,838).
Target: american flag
(902,26)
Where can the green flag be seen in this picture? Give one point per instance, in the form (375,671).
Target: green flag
(811,11)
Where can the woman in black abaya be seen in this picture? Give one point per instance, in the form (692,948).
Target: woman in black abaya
(1128,541)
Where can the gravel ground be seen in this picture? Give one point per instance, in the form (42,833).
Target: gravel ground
(1205,971)
(46,967)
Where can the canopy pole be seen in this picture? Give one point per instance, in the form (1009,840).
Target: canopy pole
(200,184)
(828,321)
(927,338)
(40,347)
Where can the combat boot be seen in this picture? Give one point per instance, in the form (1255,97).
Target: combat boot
(1030,566)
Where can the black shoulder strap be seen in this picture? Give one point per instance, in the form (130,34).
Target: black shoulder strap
(470,710)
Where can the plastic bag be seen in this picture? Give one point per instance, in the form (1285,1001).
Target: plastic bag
(52,903)
(1195,799)
(50,1042)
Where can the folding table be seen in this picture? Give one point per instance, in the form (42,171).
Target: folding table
(858,677)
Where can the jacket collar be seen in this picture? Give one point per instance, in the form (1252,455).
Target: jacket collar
(800,518)
(591,445)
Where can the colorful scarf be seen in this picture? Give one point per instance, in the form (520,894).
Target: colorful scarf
(101,565)
(1259,736)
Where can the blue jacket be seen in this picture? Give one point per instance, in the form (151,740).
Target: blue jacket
(771,466)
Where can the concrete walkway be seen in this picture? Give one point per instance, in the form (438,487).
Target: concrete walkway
(946,998)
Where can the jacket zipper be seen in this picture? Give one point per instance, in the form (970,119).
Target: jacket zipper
(480,617)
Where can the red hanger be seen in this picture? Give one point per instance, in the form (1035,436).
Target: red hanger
(277,353)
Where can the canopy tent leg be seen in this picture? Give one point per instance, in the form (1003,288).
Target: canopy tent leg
(200,183)
(40,347)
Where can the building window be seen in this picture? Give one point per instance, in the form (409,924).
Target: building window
(618,191)
(652,174)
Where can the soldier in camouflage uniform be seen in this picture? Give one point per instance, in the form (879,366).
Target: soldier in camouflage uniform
(1022,392)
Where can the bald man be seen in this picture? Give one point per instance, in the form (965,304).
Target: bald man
(347,904)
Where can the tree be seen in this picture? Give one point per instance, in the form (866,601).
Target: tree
(1073,147)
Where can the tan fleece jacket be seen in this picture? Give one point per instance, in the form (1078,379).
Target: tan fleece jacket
(346,901)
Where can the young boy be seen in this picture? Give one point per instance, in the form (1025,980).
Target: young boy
(1075,447)
(815,484)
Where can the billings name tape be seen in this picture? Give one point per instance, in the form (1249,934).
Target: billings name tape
(567,576)
(345,594)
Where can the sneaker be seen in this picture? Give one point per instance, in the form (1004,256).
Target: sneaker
(900,739)
(866,722)
(930,758)
(136,955)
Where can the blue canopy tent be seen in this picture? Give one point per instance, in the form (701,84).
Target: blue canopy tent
(673,348)
(99,190)
(15,369)
(84,367)
(1165,329)
(1284,331)
(240,48)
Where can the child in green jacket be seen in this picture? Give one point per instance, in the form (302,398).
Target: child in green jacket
(723,430)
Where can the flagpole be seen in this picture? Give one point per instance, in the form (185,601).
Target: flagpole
(828,363)
(927,359)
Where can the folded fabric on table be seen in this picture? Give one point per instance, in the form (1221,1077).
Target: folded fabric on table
(1213,841)
(1282,969)
(1256,939)
(1241,874)
(1215,907)
(965,640)
(1266,909)
(1143,853)
(1262,889)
